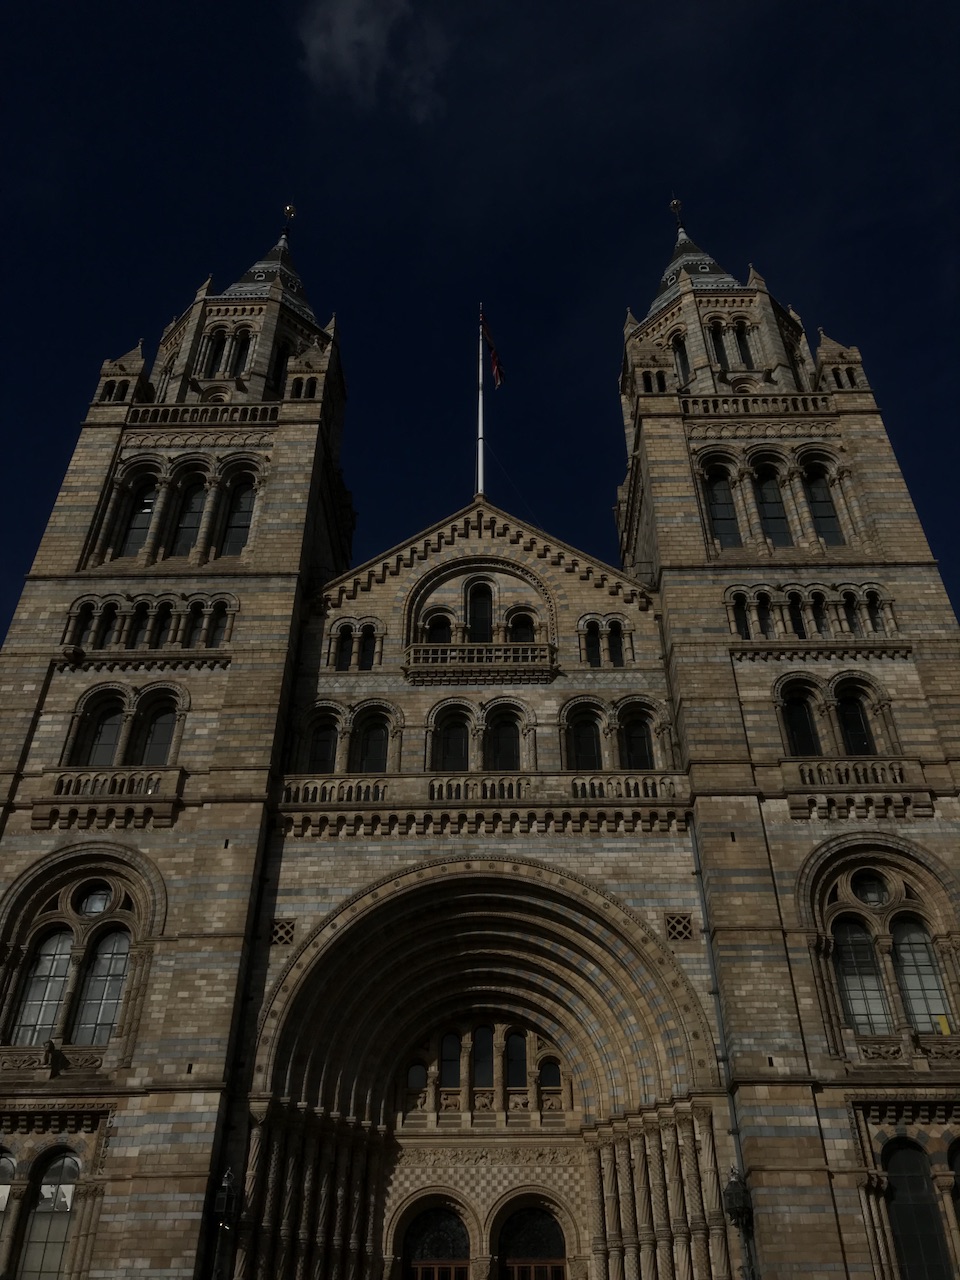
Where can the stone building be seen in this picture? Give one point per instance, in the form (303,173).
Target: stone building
(479,907)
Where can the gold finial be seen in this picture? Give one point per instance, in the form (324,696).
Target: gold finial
(289,213)
(675,207)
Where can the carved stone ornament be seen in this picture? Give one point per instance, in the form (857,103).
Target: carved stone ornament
(447,1157)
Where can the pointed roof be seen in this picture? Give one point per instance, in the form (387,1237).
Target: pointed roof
(701,269)
(274,268)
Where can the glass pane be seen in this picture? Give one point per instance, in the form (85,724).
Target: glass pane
(637,744)
(483,1058)
(723,515)
(43,990)
(918,976)
(773,517)
(549,1074)
(238,520)
(450,1063)
(503,745)
(48,1225)
(188,520)
(138,525)
(517,1065)
(373,747)
(915,1218)
(102,991)
(416,1076)
(858,977)
(857,738)
(323,748)
(98,745)
(481,615)
(824,513)
(802,737)
(95,900)
(870,887)
(453,745)
(436,1234)
(531,1233)
(585,744)
(153,739)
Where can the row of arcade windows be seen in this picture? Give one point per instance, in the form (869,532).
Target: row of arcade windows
(112,390)
(808,618)
(529,1246)
(146,626)
(224,353)
(765,516)
(112,732)
(479,625)
(183,532)
(303,389)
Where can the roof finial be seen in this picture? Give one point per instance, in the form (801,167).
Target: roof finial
(289,213)
(675,207)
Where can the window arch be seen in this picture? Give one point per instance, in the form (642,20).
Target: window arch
(218,342)
(140,517)
(98,734)
(436,1244)
(531,1243)
(721,510)
(44,987)
(743,344)
(49,1220)
(236,530)
(369,742)
(480,614)
(139,626)
(719,347)
(799,722)
(501,741)
(522,629)
(439,629)
(189,514)
(241,351)
(741,618)
(916,1222)
(151,740)
(636,741)
(344,648)
(856,734)
(859,980)
(592,650)
(681,360)
(368,648)
(822,510)
(219,621)
(162,627)
(583,740)
(451,742)
(615,641)
(773,514)
(102,994)
(322,748)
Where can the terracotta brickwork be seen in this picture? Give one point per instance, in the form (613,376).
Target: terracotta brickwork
(483,879)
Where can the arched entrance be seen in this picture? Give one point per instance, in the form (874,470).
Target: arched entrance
(436,1247)
(531,1246)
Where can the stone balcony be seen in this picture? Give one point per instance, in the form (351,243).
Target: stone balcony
(101,798)
(480,663)
(483,803)
(856,786)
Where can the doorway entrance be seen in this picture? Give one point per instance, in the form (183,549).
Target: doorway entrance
(531,1246)
(436,1247)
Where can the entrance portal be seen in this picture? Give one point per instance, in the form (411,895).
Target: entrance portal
(532,1247)
(436,1247)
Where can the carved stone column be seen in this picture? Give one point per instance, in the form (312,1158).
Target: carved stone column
(658,1195)
(676,1201)
(712,1195)
(374,1151)
(340,1200)
(693,1193)
(107,527)
(611,1210)
(628,1211)
(749,498)
(201,548)
(884,945)
(147,552)
(328,1151)
(310,1162)
(252,1189)
(945,1184)
(599,1235)
(872,1186)
(266,1243)
(644,1207)
(10,1227)
(802,507)
(290,1198)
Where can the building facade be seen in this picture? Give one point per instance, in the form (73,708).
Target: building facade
(475,911)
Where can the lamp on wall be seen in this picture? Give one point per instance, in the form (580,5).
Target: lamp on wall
(225,1211)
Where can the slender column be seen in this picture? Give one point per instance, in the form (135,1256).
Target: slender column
(355,1208)
(267,1243)
(227,352)
(658,1194)
(340,1192)
(802,507)
(378,650)
(693,1194)
(107,527)
(945,1184)
(749,495)
(373,1192)
(253,1185)
(466,1046)
(675,1198)
(10,1224)
(65,1012)
(788,497)
(884,944)
(148,550)
(307,1199)
(628,1211)
(947,955)
(292,1181)
(599,1242)
(605,648)
(355,652)
(821,950)
(740,505)
(713,1198)
(873,1189)
(328,1151)
(499,1092)
(849,502)
(611,1210)
(644,1208)
(201,548)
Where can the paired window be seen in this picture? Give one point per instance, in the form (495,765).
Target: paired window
(604,643)
(584,739)
(530,1246)
(72,985)
(112,731)
(844,725)
(484,620)
(355,648)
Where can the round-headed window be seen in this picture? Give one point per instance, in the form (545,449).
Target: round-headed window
(871,888)
(93,899)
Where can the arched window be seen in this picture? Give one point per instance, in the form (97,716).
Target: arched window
(450,1061)
(531,1244)
(193,628)
(122,389)
(647,382)
(239,516)
(102,993)
(152,736)
(107,391)
(502,742)
(719,347)
(795,609)
(141,515)
(743,345)
(368,648)
(822,510)
(368,744)
(636,743)
(98,735)
(296,390)
(38,1009)
(521,629)
(436,1247)
(47,1232)
(550,1074)
(439,630)
(592,643)
(818,607)
(915,1218)
(741,618)
(858,979)
(918,977)
(218,342)
(188,519)
(854,726)
(516,1064)
(162,627)
(284,352)
(765,617)
(139,626)
(85,627)
(344,653)
(310,390)
(802,739)
(773,515)
(218,625)
(483,1058)
(720,508)
(680,359)
(583,742)
(837,379)
(416,1077)
(661,382)
(851,378)
(241,350)
(480,614)
(615,641)
(451,740)
(851,613)
(108,630)
(875,612)
(323,746)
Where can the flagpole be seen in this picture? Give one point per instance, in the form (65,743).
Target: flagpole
(480,409)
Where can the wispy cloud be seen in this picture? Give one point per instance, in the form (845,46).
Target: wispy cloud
(380,52)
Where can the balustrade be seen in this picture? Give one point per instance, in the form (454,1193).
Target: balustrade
(534,788)
(848,772)
(711,406)
(479,655)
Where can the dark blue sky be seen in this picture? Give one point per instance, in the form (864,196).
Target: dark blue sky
(438,153)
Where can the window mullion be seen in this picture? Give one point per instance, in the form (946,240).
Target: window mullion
(68,998)
(884,944)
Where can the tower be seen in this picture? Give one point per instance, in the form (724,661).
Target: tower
(471,911)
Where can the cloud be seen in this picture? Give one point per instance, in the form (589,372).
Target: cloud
(377,51)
